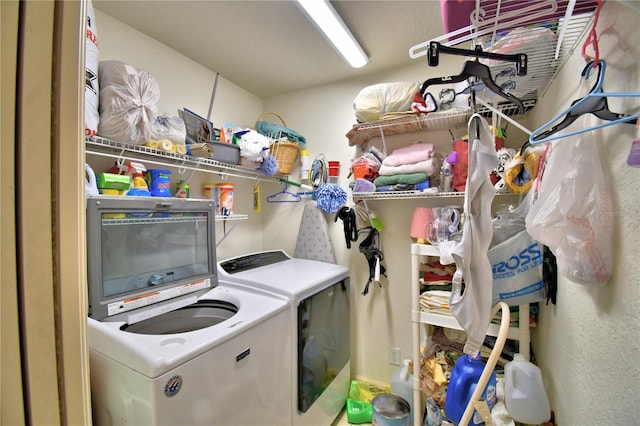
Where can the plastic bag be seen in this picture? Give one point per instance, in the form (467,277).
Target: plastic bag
(573,214)
(516,259)
(169,127)
(128,102)
(374,101)
(91,86)
(517,271)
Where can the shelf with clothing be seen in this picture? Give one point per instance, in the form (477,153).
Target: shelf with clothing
(446,119)
(420,318)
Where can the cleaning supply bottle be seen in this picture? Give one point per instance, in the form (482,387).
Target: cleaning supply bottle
(402,385)
(462,383)
(304,165)
(139,181)
(446,172)
(524,394)
(90,183)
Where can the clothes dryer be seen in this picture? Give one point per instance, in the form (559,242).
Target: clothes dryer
(318,294)
(169,343)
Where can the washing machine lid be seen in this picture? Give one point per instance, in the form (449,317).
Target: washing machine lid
(155,353)
(143,251)
(277,272)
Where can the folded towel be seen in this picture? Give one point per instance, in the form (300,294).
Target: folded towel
(275,130)
(436,301)
(409,154)
(410,178)
(429,167)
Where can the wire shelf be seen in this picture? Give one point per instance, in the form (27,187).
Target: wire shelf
(560,23)
(409,195)
(108,148)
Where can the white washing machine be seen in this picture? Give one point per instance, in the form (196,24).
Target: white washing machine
(320,337)
(169,344)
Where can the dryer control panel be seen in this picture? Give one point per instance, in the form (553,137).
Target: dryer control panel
(252,261)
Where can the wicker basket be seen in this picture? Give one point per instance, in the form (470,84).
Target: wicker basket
(285,154)
(284,151)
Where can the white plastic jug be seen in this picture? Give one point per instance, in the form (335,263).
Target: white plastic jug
(90,185)
(402,385)
(524,394)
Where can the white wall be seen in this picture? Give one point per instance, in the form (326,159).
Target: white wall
(186,84)
(587,345)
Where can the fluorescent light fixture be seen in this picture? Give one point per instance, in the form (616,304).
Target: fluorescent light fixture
(334,29)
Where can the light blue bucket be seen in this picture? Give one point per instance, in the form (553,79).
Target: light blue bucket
(390,410)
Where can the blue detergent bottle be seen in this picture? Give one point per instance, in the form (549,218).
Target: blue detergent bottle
(464,379)
(159,182)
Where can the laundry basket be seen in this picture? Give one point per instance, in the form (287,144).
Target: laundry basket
(283,150)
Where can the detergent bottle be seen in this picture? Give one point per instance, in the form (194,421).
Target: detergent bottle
(90,184)
(402,385)
(524,394)
(464,379)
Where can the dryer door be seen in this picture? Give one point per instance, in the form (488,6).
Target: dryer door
(323,341)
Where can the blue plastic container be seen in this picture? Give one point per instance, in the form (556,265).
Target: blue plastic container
(159,182)
(464,379)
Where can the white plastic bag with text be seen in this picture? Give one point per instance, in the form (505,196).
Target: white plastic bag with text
(516,264)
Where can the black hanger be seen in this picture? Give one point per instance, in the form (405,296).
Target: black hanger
(596,105)
(435,48)
(477,70)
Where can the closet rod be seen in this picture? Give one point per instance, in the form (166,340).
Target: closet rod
(503,115)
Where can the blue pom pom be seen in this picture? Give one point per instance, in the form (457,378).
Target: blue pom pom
(330,197)
(269,165)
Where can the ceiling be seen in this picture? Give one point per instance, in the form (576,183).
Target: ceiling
(270,47)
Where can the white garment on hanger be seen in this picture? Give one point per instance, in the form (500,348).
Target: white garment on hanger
(472,308)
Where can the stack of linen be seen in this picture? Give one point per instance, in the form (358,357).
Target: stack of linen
(435,301)
(436,282)
(406,167)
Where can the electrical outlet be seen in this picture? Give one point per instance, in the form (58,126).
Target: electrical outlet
(394,356)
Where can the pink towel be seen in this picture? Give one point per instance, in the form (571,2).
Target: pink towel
(409,154)
(430,167)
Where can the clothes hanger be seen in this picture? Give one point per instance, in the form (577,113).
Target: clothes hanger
(435,48)
(472,69)
(284,196)
(595,102)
